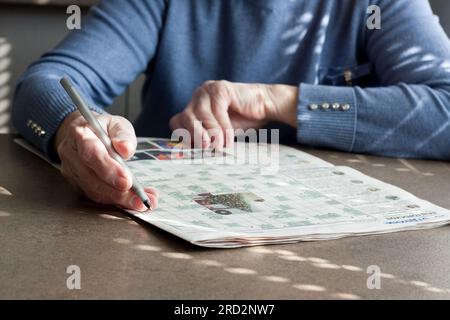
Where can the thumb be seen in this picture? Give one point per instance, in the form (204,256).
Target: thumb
(122,136)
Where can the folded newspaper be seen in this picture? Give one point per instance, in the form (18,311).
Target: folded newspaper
(258,194)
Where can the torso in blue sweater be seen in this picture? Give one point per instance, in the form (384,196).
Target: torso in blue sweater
(399,91)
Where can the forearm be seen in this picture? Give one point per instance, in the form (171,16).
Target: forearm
(100,69)
(39,107)
(400,121)
(404,121)
(405,111)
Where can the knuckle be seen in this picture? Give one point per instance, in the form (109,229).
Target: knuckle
(200,91)
(214,88)
(119,123)
(115,123)
(207,83)
(104,117)
(260,97)
(202,111)
(185,117)
(76,132)
(222,84)
(219,92)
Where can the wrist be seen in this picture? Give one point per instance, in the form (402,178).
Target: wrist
(61,132)
(282,106)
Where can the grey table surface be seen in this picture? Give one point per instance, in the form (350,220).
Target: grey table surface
(45,226)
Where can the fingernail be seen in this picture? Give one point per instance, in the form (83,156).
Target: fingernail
(136,203)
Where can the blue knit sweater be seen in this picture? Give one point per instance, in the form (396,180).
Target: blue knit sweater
(395,80)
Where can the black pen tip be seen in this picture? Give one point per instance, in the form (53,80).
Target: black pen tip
(147,204)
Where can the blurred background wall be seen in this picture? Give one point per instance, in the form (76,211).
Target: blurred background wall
(28,28)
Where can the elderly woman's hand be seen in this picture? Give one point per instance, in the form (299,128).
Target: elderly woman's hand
(218,108)
(86,163)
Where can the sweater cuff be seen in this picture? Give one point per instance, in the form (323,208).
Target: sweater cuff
(327,116)
(40,108)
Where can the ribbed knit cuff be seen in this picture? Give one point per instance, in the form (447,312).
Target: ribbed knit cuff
(40,106)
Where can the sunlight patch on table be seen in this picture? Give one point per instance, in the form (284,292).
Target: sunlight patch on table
(4,214)
(176,255)
(122,240)
(146,247)
(244,271)
(5,192)
(277,279)
(309,287)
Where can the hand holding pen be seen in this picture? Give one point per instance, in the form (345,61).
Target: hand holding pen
(93,160)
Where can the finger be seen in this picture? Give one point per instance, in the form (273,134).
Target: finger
(152,191)
(122,135)
(93,154)
(190,122)
(82,176)
(175,122)
(180,132)
(186,120)
(201,106)
(153,196)
(240,122)
(220,102)
(137,203)
(101,192)
(227,128)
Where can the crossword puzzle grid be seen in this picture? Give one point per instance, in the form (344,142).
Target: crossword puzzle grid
(282,195)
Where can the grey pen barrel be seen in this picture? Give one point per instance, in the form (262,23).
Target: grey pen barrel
(101,134)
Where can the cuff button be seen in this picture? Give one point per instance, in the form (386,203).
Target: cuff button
(345,107)
(335,106)
(325,106)
(313,107)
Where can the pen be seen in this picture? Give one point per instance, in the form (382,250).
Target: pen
(101,134)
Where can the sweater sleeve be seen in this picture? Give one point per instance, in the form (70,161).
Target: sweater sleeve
(114,45)
(409,115)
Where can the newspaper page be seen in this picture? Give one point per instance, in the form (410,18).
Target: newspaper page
(220,200)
